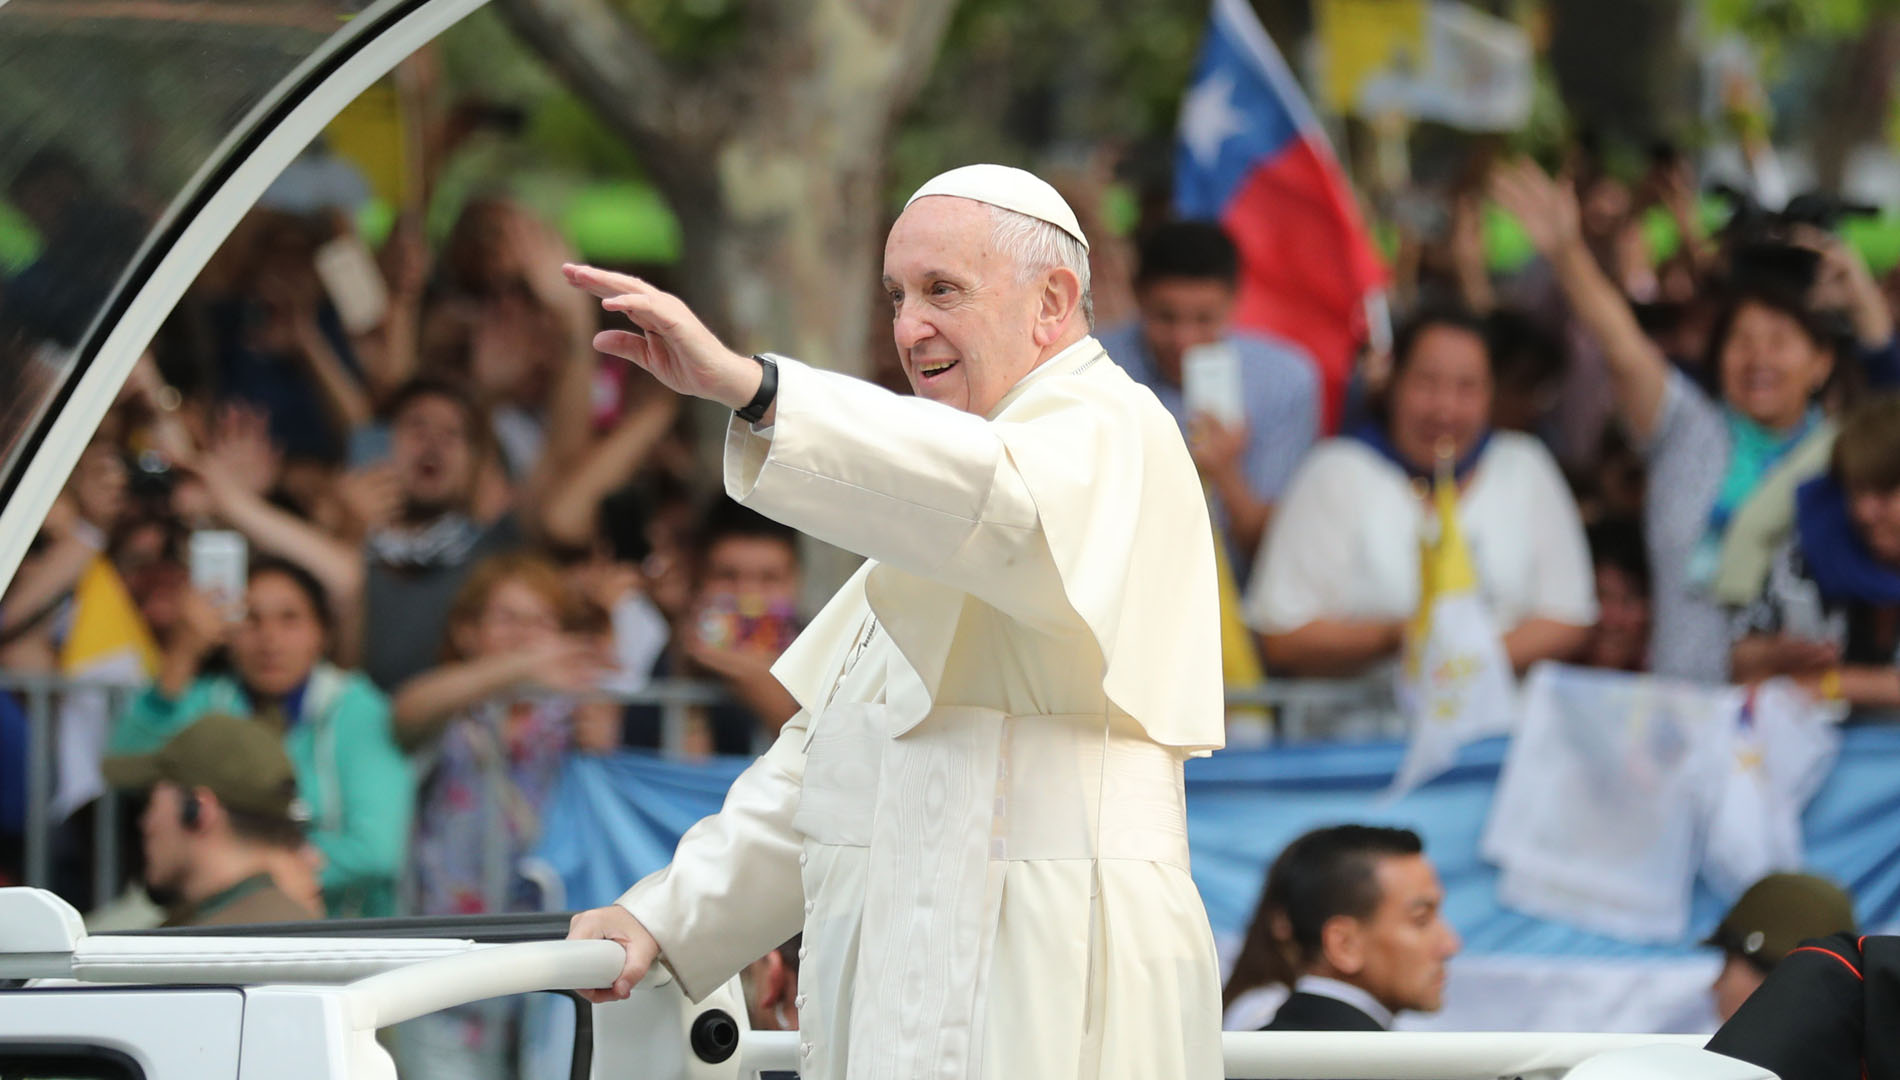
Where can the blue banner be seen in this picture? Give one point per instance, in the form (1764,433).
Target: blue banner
(615,819)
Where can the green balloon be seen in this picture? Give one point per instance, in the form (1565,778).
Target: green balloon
(1507,246)
(621,222)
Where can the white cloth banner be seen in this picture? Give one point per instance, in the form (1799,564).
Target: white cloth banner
(1780,750)
(1619,788)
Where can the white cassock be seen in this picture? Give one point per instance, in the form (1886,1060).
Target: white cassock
(979,895)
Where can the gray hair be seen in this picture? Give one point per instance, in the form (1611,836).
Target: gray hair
(1037,247)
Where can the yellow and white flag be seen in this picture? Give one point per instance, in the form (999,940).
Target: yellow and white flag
(1443,61)
(1455,682)
(108,644)
(1240,665)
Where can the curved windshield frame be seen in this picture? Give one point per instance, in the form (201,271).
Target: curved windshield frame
(108,111)
(108,219)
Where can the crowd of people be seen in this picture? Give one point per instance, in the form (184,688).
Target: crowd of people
(470,536)
(462,538)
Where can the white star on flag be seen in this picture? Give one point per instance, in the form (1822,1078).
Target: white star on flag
(1208,119)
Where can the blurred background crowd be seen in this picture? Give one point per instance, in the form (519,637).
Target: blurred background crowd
(372,487)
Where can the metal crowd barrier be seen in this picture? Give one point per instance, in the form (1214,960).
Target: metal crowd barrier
(1282,709)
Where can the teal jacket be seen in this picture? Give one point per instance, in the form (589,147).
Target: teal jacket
(350,773)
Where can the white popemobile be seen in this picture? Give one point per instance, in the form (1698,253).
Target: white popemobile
(306,1002)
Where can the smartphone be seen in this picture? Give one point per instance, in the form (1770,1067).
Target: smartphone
(219,560)
(354,283)
(1210,382)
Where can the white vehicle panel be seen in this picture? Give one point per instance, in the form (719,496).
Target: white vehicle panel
(172,1034)
(298,1033)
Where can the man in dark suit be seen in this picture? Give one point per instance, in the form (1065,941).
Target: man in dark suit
(1350,919)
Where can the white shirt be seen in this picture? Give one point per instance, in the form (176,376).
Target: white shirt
(1345,540)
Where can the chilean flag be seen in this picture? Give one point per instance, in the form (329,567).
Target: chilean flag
(1252,156)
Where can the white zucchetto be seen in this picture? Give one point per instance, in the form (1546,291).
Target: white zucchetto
(1009,188)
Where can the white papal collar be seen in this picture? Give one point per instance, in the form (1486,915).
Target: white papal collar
(1352,995)
(1067,362)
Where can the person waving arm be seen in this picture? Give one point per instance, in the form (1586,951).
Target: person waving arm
(1548,210)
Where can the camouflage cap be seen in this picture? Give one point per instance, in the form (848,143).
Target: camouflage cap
(1778,913)
(240,761)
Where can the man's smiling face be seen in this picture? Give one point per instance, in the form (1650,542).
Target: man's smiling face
(963,319)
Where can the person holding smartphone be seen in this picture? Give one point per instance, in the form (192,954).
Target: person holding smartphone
(334,724)
(1249,404)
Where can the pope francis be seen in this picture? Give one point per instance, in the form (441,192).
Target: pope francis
(976,818)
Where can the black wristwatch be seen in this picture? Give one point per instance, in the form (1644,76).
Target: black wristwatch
(754,410)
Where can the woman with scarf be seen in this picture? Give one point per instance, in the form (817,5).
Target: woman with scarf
(350,775)
(1723,470)
(1829,613)
(1338,577)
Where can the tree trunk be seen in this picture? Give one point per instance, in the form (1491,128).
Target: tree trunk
(1852,107)
(772,158)
(771,155)
(1623,66)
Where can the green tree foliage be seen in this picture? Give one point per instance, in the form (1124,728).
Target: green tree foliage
(1771,25)
(1018,81)
(688,32)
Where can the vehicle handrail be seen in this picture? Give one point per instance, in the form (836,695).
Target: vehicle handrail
(497,971)
(1420,1055)
(251,961)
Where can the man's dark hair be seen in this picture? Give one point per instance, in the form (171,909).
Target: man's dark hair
(1324,874)
(1523,354)
(1199,250)
(1777,297)
(724,519)
(434,386)
(1405,341)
